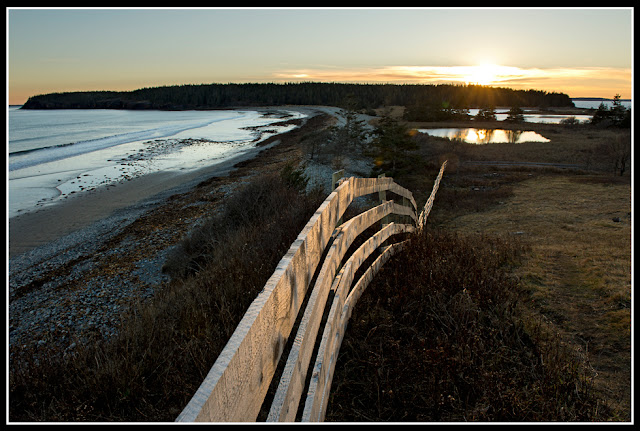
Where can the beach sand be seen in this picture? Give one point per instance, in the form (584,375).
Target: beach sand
(40,227)
(125,200)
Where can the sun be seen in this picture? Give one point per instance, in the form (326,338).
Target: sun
(483,74)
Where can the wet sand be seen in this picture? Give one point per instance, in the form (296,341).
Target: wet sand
(34,229)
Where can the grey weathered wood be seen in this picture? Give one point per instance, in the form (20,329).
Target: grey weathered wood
(367,277)
(322,375)
(335,177)
(287,397)
(236,384)
(422,219)
(382,197)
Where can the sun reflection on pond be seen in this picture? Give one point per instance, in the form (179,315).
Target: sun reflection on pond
(485,136)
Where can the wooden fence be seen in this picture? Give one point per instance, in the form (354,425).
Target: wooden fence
(237,383)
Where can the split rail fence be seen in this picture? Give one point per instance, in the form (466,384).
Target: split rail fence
(236,386)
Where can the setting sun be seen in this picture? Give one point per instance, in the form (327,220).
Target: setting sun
(484,74)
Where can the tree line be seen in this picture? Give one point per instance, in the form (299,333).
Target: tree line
(360,96)
(615,116)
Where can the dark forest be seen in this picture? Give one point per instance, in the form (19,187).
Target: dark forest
(355,96)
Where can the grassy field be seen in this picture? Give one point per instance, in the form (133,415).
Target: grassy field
(578,270)
(577,225)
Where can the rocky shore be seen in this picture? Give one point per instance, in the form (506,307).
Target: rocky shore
(77,285)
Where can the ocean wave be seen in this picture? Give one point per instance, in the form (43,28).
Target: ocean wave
(32,157)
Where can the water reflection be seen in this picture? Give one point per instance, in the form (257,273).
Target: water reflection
(486,136)
(503,113)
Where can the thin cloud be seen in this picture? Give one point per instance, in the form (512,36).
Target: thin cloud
(549,79)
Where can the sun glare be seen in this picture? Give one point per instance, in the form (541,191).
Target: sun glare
(483,74)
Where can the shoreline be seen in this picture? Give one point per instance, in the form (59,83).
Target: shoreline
(35,229)
(51,177)
(77,267)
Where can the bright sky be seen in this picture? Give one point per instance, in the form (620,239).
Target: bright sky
(581,52)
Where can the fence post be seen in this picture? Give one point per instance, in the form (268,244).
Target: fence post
(382,195)
(422,219)
(406,203)
(237,383)
(335,177)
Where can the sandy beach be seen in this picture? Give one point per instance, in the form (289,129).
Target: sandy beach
(35,229)
(76,266)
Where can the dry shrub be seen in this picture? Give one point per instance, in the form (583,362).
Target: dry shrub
(437,336)
(150,370)
(263,211)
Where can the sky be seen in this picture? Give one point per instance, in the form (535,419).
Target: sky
(583,52)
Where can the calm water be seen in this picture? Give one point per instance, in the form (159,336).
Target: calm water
(594,104)
(40,136)
(485,136)
(53,153)
(503,113)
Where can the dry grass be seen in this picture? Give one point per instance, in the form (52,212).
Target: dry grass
(546,246)
(438,336)
(152,367)
(574,280)
(579,269)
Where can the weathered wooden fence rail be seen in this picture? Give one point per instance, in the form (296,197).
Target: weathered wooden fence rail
(237,383)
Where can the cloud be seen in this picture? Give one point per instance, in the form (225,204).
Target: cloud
(547,79)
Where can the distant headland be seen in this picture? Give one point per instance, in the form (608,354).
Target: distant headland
(597,99)
(359,96)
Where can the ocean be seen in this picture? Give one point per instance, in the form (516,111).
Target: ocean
(55,153)
(595,103)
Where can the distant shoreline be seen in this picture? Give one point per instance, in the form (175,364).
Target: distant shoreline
(32,229)
(604,99)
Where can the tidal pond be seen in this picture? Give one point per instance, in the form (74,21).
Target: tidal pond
(485,136)
(503,113)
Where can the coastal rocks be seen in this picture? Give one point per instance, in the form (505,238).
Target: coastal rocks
(153,156)
(80,287)
(79,303)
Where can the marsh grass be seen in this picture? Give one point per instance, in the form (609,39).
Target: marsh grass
(577,271)
(577,247)
(575,276)
(566,353)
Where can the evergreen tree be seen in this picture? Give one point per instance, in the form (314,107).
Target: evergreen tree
(392,141)
(212,96)
(355,132)
(616,116)
(601,114)
(516,115)
(617,111)
(486,113)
